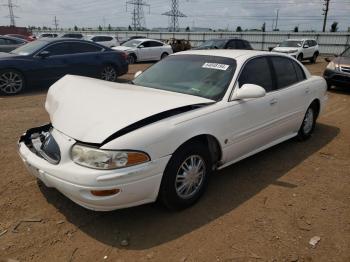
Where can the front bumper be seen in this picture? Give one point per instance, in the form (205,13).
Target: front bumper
(337,78)
(137,185)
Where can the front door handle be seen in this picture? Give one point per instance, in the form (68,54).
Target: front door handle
(307,90)
(273,101)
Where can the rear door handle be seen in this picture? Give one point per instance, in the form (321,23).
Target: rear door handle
(273,101)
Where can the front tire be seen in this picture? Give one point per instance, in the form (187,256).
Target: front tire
(12,82)
(186,177)
(164,55)
(308,125)
(132,59)
(300,58)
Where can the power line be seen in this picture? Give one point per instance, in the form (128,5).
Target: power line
(174,15)
(11,15)
(137,16)
(325,13)
(55,23)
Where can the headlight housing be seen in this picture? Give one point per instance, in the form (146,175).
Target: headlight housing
(106,159)
(292,51)
(332,66)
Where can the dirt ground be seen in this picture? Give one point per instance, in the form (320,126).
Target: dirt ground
(265,208)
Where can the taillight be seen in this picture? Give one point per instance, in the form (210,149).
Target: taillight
(125,56)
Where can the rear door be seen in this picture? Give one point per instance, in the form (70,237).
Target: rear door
(253,121)
(291,92)
(155,50)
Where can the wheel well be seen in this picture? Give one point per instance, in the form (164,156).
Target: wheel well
(211,143)
(316,104)
(317,53)
(165,53)
(133,54)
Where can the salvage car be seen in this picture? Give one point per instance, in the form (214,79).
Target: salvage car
(47,60)
(301,49)
(145,50)
(337,72)
(225,43)
(161,136)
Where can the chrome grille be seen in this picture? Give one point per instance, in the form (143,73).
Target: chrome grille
(345,69)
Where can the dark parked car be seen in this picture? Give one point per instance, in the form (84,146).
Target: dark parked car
(7,43)
(73,35)
(49,35)
(28,38)
(230,43)
(338,70)
(46,60)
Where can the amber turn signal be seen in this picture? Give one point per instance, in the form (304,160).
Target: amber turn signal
(102,193)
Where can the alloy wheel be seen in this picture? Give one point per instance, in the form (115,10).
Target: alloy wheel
(11,82)
(109,74)
(308,121)
(190,176)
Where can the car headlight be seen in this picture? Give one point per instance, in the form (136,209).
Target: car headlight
(332,66)
(106,159)
(292,51)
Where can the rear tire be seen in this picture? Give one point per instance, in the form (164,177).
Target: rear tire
(109,73)
(164,55)
(309,122)
(186,177)
(314,58)
(12,82)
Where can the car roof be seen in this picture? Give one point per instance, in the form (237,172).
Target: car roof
(63,39)
(299,39)
(229,53)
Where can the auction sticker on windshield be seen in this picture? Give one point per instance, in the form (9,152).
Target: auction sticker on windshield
(216,66)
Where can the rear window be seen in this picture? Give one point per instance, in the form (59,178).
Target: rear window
(285,72)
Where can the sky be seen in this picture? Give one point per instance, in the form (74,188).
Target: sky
(215,14)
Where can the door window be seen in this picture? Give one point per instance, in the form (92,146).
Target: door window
(155,44)
(285,72)
(59,49)
(231,45)
(240,44)
(257,72)
(77,48)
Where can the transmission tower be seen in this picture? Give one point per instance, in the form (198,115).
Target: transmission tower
(11,15)
(325,14)
(174,15)
(55,23)
(137,15)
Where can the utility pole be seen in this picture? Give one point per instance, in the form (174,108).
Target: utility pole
(137,16)
(174,15)
(277,19)
(55,23)
(325,14)
(12,16)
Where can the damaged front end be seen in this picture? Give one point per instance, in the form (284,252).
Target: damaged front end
(40,142)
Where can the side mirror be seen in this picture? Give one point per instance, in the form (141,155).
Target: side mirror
(306,46)
(44,54)
(137,74)
(250,91)
(141,46)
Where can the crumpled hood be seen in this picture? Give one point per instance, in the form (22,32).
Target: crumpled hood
(123,48)
(90,110)
(284,49)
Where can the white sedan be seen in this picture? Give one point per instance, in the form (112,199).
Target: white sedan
(145,50)
(161,136)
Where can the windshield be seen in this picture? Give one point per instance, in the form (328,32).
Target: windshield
(212,44)
(132,43)
(29,48)
(198,75)
(346,53)
(291,44)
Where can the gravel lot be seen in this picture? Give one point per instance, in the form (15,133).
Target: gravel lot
(265,208)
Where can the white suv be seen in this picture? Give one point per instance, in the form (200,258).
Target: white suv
(301,49)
